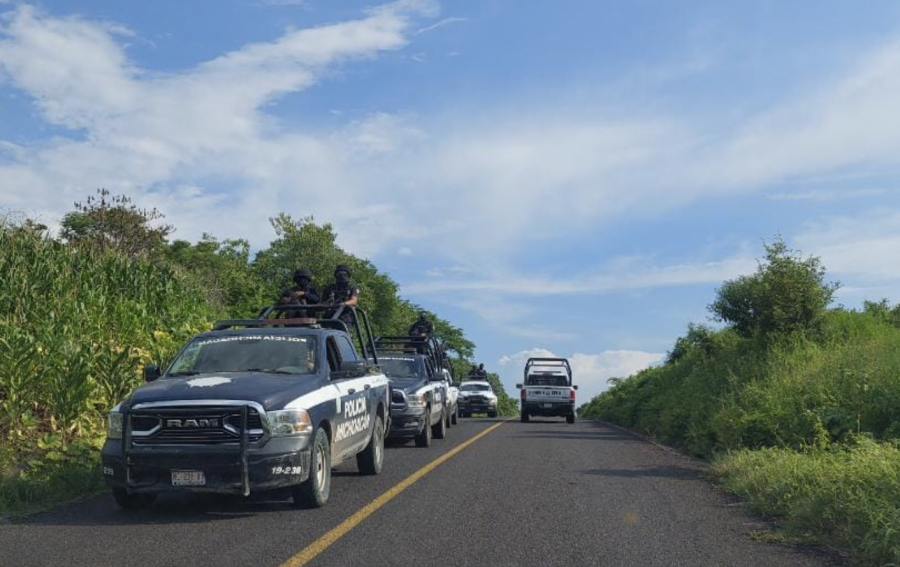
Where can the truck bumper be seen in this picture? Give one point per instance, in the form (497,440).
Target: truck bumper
(476,407)
(406,423)
(549,409)
(280,463)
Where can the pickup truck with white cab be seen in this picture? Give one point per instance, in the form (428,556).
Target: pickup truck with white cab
(548,390)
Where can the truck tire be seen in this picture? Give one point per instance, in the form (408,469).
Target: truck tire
(454,417)
(523,417)
(448,419)
(492,414)
(371,459)
(440,428)
(314,491)
(128,501)
(423,439)
(570,418)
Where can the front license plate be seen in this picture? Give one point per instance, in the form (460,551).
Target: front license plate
(188,478)
(547,405)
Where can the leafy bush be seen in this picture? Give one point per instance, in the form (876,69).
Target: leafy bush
(786,295)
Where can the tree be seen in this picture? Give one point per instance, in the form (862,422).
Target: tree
(224,270)
(113,222)
(787,294)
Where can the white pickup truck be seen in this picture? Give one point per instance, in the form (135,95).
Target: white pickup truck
(548,389)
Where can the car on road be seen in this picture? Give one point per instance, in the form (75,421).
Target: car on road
(477,396)
(418,397)
(254,404)
(548,389)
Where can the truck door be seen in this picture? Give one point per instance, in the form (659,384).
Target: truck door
(354,420)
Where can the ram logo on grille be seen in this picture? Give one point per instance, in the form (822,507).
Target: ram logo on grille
(192,423)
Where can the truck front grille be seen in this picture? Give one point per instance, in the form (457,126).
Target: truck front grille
(193,425)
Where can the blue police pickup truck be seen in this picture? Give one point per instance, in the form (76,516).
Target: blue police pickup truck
(418,397)
(254,404)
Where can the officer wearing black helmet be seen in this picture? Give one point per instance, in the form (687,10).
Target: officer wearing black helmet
(478,373)
(303,293)
(422,327)
(342,292)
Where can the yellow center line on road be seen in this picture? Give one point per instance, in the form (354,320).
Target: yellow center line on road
(311,551)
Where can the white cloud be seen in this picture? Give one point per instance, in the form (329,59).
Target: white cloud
(142,132)
(468,187)
(620,275)
(440,24)
(861,247)
(826,194)
(589,371)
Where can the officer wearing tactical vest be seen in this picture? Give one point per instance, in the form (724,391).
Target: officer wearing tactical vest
(342,292)
(423,327)
(303,293)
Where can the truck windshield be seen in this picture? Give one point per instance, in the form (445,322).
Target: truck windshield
(547,380)
(406,367)
(276,354)
(475,388)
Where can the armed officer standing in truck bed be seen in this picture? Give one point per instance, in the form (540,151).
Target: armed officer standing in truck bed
(422,327)
(342,292)
(303,293)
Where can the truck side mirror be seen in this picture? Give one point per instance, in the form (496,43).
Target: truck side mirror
(519,386)
(575,386)
(353,368)
(151,372)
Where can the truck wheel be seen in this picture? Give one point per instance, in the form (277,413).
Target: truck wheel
(423,439)
(492,414)
(448,419)
(523,417)
(454,417)
(314,491)
(440,428)
(133,501)
(371,459)
(570,418)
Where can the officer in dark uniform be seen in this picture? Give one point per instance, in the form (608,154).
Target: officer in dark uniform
(342,292)
(480,372)
(423,327)
(303,293)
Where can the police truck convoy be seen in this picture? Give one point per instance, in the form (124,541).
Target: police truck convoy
(255,404)
(277,401)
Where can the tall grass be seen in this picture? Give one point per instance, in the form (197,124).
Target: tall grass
(75,327)
(738,393)
(845,496)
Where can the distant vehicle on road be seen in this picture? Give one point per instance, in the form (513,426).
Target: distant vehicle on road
(255,404)
(477,396)
(548,389)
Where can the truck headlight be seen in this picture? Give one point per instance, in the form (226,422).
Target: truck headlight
(114,425)
(416,400)
(290,423)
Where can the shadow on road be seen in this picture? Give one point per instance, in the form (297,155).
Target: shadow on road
(168,509)
(662,471)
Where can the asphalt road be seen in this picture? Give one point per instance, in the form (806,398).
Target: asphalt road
(543,493)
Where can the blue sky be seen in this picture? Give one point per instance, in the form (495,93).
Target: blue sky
(565,177)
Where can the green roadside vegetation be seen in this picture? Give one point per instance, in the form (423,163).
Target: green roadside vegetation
(81,313)
(796,405)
